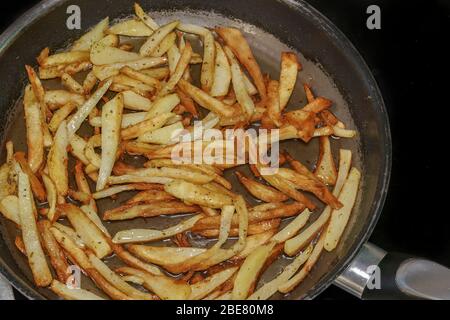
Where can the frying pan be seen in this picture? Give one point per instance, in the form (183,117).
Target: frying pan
(330,64)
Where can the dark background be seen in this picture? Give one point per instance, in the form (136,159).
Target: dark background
(409,58)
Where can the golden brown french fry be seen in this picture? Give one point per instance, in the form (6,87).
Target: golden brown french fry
(57,160)
(71,84)
(111,123)
(65,58)
(115,280)
(146,235)
(290,66)
(325,167)
(35,135)
(103,72)
(319,189)
(36,185)
(152,209)
(142,77)
(254,215)
(197,194)
(236,41)
(164,287)
(60,115)
(79,257)
(201,289)
(57,71)
(143,127)
(288,189)
(58,98)
(182,64)
(63,291)
(77,146)
(155,39)
(159,73)
(259,190)
(271,287)
(205,100)
(87,230)
(149,196)
(51,246)
(253,229)
(89,82)
(131,260)
(95,34)
(27,213)
(52,196)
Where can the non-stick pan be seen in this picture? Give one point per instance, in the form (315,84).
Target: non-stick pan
(330,64)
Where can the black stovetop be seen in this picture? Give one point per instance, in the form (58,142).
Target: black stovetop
(409,59)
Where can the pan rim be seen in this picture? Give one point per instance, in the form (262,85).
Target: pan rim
(41,9)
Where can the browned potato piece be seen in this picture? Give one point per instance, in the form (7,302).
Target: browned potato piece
(325,167)
(236,41)
(259,190)
(148,210)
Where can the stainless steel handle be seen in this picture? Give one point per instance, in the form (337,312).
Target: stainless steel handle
(401,276)
(6,292)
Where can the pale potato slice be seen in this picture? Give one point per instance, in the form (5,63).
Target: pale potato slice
(9,206)
(111,124)
(290,66)
(101,54)
(134,101)
(201,289)
(71,84)
(163,105)
(155,39)
(88,39)
(146,235)
(60,115)
(250,270)
(35,254)
(164,136)
(340,217)
(65,58)
(83,111)
(103,72)
(165,45)
(91,235)
(58,98)
(35,134)
(57,160)
(131,27)
(147,126)
(197,194)
(222,74)
(145,18)
(239,87)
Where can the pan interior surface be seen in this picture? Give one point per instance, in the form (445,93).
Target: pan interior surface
(345,82)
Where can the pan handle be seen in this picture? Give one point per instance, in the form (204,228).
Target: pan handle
(6,292)
(376,274)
